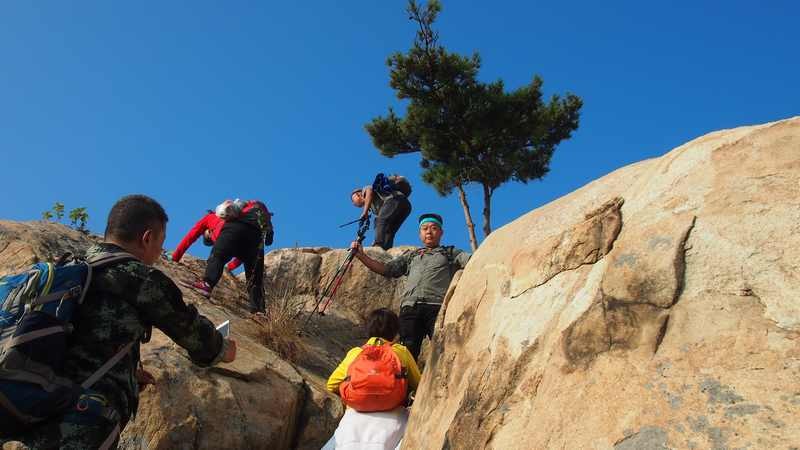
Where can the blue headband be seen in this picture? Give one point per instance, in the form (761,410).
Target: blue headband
(430,219)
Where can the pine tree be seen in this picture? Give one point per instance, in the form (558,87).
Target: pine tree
(466,130)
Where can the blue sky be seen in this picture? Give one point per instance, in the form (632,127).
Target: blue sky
(194,102)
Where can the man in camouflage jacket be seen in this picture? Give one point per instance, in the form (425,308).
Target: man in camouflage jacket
(122,305)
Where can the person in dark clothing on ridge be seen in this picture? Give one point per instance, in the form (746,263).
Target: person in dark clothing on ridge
(390,210)
(429,269)
(209,226)
(124,301)
(243,238)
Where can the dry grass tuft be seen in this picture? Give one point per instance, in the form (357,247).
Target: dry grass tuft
(280,325)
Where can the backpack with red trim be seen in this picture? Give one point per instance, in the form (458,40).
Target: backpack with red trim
(376,380)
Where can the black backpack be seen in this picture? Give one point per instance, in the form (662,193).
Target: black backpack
(389,185)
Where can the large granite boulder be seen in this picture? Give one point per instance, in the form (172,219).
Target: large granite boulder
(655,308)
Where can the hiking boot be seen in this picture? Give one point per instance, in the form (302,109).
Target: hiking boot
(202,287)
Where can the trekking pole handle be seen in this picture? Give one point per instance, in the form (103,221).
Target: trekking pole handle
(363,227)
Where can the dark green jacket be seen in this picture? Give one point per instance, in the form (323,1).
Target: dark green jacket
(123,303)
(429,272)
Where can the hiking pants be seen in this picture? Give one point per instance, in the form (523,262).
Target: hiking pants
(243,241)
(392,214)
(75,430)
(416,322)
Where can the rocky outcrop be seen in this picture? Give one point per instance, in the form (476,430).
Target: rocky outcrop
(254,402)
(655,308)
(302,273)
(259,400)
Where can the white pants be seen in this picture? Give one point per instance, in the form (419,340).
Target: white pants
(369,431)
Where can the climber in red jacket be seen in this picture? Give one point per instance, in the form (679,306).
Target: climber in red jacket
(210,226)
(238,230)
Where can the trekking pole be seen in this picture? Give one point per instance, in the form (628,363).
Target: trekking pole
(363,227)
(349,223)
(338,277)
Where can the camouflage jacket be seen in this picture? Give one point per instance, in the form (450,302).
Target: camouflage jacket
(429,271)
(122,305)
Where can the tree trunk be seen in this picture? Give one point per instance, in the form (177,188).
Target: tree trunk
(487,210)
(462,196)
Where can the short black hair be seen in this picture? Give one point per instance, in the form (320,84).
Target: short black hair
(383,323)
(132,215)
(432,216)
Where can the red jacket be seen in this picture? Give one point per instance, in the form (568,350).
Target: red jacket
(209,222)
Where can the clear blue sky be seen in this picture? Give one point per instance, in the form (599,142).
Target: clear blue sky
(193,102)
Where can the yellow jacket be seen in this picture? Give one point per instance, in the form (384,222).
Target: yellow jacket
(406,360)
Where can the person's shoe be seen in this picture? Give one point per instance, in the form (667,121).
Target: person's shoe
(202,287)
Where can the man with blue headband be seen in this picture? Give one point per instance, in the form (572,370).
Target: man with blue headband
(429,270)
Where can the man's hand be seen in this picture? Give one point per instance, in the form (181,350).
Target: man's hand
(230,352)
(356,248)
(143,378)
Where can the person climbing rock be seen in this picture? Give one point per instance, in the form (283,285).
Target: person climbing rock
(374,381)
(244,235)
(429,269)
(387,199)
(122,304)
(209,226)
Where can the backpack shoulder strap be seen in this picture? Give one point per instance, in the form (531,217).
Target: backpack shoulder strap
(107,366)
(110,258)
(99,261)
(449,252)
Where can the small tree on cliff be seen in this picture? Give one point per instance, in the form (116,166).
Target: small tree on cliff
(78,218)
(58,210)
(468,131)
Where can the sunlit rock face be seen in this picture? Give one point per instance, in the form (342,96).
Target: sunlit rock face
(655,308)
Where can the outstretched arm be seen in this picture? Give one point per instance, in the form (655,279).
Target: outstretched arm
(161,304)
(187,241)
(368,194)
(373,265)
(395,268)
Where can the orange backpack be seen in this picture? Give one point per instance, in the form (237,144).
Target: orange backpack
(376,381)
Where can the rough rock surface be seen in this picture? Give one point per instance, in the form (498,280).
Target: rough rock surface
(254,402)
(296,277)
(304,272)
(260,400)
(655,308)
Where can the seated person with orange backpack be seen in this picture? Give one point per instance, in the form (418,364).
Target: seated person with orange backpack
(375,416)
(209,226)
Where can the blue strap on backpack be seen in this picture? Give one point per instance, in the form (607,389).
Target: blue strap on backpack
(36,311)
(382,184)
(391,185)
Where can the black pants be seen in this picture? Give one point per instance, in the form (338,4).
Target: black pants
(243,241)
(392,214)
(416,322)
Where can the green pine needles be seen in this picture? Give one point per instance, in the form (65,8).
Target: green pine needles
(467,130)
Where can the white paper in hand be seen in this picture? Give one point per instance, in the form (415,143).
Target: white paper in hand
(225,328)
